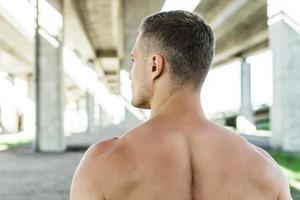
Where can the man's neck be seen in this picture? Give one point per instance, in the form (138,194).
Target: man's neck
(184,101)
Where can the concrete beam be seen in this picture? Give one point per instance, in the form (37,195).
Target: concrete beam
(77,36)
(110,53)
(236,42)
(209,8)
(227,12)
(12,64)
(134,12)
(247,9)
(117,27)
(13,49)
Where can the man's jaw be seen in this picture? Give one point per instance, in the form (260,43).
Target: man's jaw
(141,104)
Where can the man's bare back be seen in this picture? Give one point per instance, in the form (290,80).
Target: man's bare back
(179,158)
(177,154)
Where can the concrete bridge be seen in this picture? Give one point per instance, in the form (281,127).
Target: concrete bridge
(73,55)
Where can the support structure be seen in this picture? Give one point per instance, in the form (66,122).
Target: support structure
(90,106)
(246,106)
(48,89)
(285,43)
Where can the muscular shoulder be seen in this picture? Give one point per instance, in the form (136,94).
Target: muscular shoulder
(85,183)
(262,169)
(100,148)
(278,180)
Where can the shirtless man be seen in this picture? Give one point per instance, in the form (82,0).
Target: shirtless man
(177,154)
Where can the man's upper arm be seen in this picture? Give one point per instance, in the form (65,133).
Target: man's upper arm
(87,183)
(83,186)
(285,193)
(281,180)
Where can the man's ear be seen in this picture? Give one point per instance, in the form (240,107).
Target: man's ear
(158,65)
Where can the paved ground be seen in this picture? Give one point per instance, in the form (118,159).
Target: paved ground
(44,176)
(30,176)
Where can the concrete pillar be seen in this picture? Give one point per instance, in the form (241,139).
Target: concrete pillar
(131,121)
(285,43)
(30,89)
(90,107)
(48,91)
(29,118)
(246,106)
(105,118)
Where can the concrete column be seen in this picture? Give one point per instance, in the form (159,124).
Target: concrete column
(90,107)
(30,90)
(246,106)
(131,121)
(105,119)
(49,92)
(285,114)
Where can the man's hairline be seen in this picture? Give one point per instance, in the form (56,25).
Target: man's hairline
(177,84)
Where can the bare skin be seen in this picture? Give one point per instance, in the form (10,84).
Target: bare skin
(178,154)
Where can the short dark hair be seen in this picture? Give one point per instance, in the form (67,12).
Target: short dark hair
(185,40)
